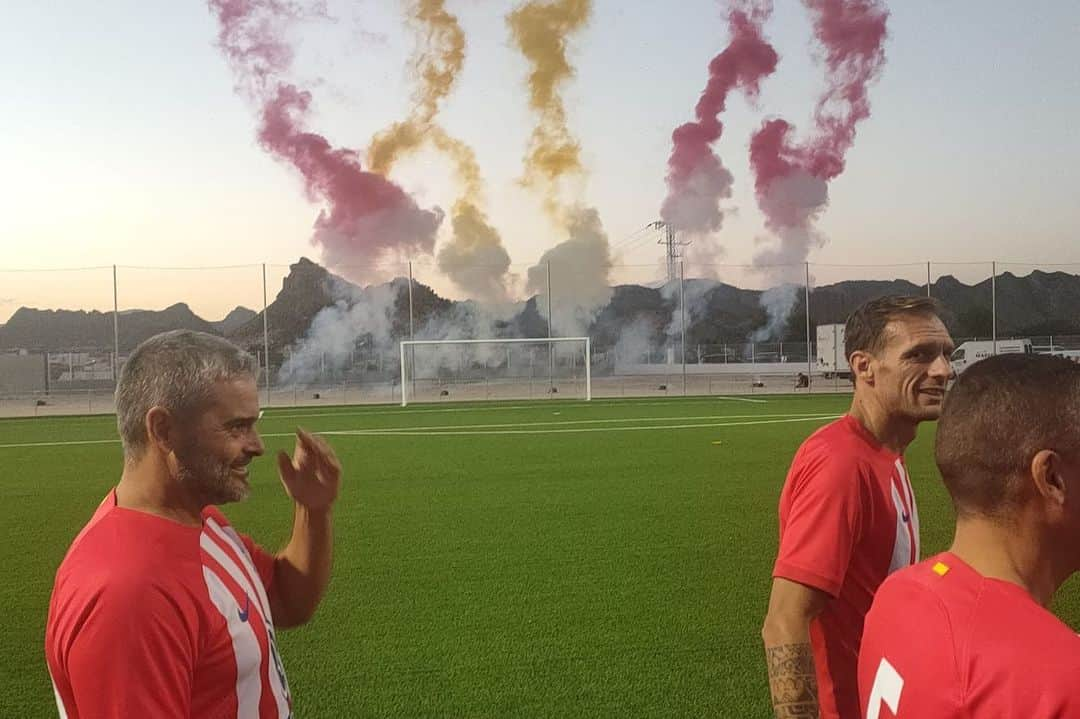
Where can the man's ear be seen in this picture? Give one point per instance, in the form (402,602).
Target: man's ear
(861,366)
(1047,476)
(160,429)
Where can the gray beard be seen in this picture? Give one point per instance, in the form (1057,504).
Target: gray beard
(211,482)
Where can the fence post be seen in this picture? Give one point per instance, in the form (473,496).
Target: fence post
(266,338)
(412,348)
(993,304)
(809,363)
(682,310)
(550,347)
(116,330)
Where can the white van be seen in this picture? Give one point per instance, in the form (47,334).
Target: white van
(1073,355)
(969,353)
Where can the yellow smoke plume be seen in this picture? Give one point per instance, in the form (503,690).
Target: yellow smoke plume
(475,258)
(540,30)
(439,58)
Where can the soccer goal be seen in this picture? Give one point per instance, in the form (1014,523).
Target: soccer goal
(494,369)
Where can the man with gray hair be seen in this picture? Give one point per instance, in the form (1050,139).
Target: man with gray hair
(160,608)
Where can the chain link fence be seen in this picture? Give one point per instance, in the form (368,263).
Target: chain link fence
(663,329)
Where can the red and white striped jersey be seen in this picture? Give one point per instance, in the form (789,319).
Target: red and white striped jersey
(847,521)
(150,617)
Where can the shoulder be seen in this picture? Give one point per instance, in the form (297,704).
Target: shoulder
(911,623)
(910,606)
(909,644)
(828,457)
(912,589)
(123,552)
(834,443)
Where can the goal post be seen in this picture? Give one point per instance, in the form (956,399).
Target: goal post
(408,370)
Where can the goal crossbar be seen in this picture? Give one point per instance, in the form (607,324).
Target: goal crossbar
(513,340)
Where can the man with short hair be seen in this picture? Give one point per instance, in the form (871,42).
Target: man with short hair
(847,512)
(968,633)
(160,608)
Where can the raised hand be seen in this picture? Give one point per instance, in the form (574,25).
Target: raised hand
(312,475)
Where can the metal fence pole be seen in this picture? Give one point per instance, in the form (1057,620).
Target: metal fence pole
(809,363)
(411,326)
(412,349)
(116,329)
(404,396)
(682,311)
(266,338)
(993,304)
(588,369)
(551,347)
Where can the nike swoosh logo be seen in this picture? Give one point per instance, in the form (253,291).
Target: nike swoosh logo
(246,610)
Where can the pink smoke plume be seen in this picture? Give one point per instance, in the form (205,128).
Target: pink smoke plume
(367,217)
(697,180)
(791,181)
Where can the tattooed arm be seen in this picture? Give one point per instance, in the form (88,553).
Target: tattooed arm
(792,678)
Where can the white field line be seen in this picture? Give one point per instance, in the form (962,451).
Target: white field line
(272,412)
(495,406)
(636,428)
(67,443)
(435,428)
(484,429)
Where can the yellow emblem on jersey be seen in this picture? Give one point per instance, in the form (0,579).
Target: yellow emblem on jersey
(941,569)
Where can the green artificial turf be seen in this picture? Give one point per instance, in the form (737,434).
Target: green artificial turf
(491,560)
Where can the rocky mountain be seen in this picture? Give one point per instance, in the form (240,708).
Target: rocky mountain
(1038,304)
(238,317)
(58,330)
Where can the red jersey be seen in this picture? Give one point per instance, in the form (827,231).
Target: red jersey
(153,618)
(944,641)
(847,520)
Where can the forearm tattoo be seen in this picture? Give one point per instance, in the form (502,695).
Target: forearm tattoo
(792,681)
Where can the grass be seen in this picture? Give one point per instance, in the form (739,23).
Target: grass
(510,569)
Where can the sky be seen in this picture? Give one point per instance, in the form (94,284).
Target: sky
(124,143)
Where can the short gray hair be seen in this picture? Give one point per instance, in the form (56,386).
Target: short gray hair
(175,370)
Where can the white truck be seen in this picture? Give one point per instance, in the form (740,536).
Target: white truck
(969,353)
(831,361)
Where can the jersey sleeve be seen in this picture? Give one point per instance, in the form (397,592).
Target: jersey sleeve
(823,519)
(134,654)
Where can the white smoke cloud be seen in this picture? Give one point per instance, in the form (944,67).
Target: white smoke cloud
(332,339)
(580,270)
(695,207)
(794,203)
(778,303)
(696,292)
(636,343)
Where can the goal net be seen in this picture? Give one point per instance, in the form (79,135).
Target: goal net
(496,369)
